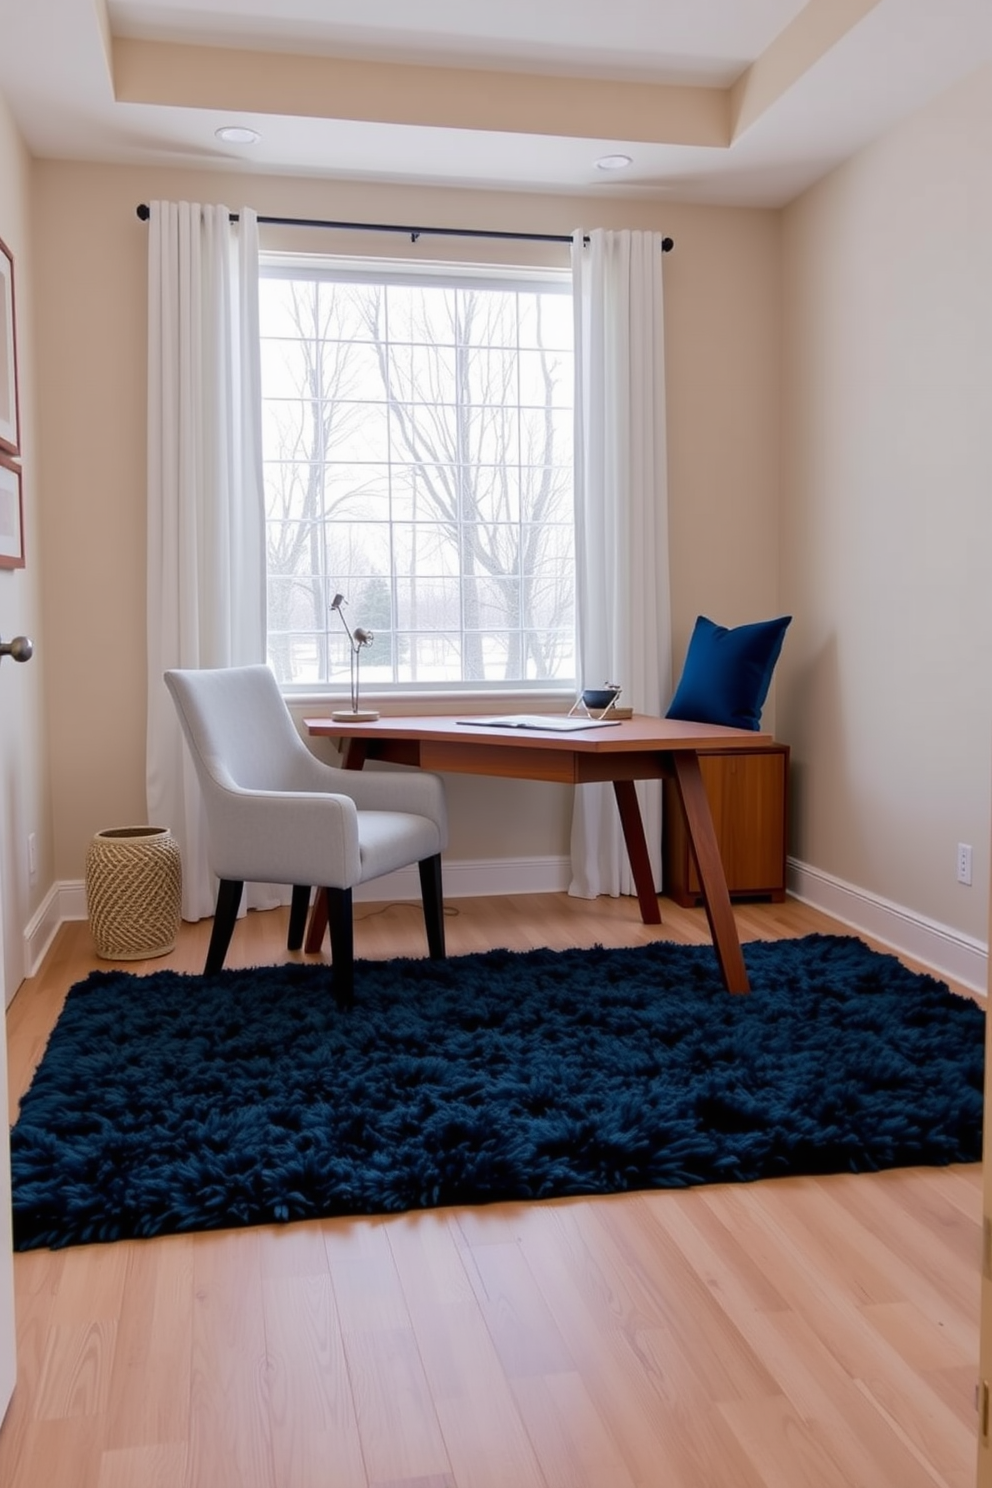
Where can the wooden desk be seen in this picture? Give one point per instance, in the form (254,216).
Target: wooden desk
(639,748)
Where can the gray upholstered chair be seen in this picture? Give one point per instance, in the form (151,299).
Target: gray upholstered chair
(277,814)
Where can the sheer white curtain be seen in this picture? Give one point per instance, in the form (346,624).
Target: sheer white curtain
(206,537)
(621,516)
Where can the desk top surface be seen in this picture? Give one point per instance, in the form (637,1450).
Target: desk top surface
(629,734)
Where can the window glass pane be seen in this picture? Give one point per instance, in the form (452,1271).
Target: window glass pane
(417,448)
(287,427)
(352,431)
(290,491)
(295,548)
(490,435)
(488,318)
(546,495)
(355,550)
(546,437)
(285,368)
(356,492)
(488,375)
(433,658)
(545,379)
(421,315)
(428,373)
(425,431)
(350,371)
(546,320)
(427,603)
(496,493)
(426,550)
(420,492)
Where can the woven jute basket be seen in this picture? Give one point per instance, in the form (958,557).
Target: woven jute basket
(133,892)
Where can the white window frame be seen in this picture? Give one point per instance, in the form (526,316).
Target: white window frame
(336,267)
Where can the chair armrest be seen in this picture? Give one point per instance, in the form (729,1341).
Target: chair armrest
(397,789)
(305,837)
(401,789)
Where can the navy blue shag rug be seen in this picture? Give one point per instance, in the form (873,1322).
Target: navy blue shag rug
(169,1103)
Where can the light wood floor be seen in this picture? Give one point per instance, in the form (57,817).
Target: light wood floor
(798,1333)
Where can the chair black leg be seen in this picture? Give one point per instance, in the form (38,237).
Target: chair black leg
(430,889)
(299,909)
(225,915)
(340,924)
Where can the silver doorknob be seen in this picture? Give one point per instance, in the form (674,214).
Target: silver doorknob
(20,648)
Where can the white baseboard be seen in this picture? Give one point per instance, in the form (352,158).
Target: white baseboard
(470,878)
(64,901)
(947,951)
(467,879)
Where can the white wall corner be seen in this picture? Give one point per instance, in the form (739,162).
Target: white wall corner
(945,950)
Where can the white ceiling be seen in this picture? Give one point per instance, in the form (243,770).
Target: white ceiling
(96,80)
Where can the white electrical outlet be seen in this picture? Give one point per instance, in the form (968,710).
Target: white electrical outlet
(964,863)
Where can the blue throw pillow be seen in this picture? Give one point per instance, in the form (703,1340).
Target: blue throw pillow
(727,673)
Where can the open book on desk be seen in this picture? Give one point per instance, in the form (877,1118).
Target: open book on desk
(552,723)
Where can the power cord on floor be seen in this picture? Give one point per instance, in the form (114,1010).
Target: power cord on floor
(449,909)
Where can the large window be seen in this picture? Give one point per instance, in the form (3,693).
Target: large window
(417,436)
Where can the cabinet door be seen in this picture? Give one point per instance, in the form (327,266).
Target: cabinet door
(746,792)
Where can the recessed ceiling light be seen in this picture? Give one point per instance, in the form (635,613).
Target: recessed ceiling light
(237,134)
(613,162)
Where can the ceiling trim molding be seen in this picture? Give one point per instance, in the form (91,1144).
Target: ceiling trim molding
(816,30)
(319,87)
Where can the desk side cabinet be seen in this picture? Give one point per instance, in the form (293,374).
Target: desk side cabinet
(747,791)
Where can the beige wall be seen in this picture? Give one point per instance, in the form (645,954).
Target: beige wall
(722,296)
(24,776)
(885,685)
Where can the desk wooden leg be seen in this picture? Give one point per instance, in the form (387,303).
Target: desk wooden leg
(353,754)
(637,850)
(709,865)
(317,924)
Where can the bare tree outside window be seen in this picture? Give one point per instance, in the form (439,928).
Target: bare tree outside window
(418,454)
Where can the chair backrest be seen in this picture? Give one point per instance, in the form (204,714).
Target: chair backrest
(237,726)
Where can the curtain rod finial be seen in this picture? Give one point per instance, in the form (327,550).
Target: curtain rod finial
(667,244)
(143,211)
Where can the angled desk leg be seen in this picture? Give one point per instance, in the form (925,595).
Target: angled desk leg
(354,752)
(637,850)
(318,922)
(709,865)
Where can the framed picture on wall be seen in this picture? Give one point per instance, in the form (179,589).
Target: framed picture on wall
(11,515)
(10,434)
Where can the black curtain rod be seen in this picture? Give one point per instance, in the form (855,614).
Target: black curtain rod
(667,244)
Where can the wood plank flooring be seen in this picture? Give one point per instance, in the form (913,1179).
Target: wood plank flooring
(798,1333)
